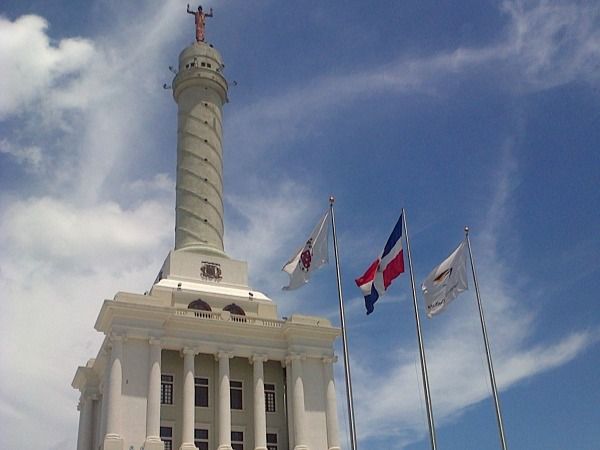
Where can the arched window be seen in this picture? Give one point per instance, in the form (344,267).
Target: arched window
(200,305)
(235,309)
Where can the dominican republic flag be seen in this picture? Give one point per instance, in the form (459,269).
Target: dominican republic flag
(384,269)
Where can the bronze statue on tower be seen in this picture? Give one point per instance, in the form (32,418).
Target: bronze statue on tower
(199,17)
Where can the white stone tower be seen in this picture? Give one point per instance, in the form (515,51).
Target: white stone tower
(200,90)
(202,360)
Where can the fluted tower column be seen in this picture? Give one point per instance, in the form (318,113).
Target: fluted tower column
(200,90)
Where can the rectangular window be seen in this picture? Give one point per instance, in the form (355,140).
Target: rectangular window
(237,440)
(201,438)
(272,441)
(201,392)
(270,398)
(166,389)
(236,391)
(166,435)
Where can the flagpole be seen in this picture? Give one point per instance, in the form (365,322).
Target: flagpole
(420,339)
(487,347)
(344,338)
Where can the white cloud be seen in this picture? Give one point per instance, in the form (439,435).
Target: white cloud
(161,183)
(85,104)
(58,261)
(31,156)
(32,65)
(52,231)
(554,42)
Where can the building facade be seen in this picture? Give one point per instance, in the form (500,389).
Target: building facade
(202,360)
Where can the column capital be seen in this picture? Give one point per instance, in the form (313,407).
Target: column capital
(329,359)
(223,354)
(114,338)
(90,393)
(83,399)
(154,341)
(294,357)
(189,351)
(258,358)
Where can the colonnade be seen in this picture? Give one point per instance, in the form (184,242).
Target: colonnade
(297,424)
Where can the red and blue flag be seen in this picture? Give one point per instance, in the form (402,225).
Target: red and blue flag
(380,274)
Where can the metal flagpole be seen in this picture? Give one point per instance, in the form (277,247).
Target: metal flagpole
(420,338)
(344,339)
(487,347)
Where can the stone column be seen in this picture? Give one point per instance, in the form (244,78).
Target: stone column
(102,398)
(298,404)
(260,417)
(287,363)
(153,441)
(224,402)
(187,422)
(331,418)
(84,435)
(97,435)
(112,439)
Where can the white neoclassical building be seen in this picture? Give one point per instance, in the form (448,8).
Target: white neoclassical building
(202,360)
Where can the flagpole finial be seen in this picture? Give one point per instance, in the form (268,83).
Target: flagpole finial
(331,199)
(466,230)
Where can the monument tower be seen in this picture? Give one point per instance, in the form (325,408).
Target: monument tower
(202,360)
(200,90)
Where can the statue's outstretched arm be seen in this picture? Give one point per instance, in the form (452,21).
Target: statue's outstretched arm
(210,13)
(188,10)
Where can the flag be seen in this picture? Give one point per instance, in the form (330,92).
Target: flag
(384,269)
(446,281)
(312,255)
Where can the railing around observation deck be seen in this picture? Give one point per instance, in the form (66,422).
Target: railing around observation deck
(226,316)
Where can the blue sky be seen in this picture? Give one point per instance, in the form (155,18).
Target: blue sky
(480,113)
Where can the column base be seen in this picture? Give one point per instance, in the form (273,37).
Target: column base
(334,448)
(113,442)
(224,447)
(301,447)
(154,443)
(187,446)
(260,448)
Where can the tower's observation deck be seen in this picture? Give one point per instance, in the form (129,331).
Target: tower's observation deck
(200,90)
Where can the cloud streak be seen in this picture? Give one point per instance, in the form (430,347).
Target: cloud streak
(544,44)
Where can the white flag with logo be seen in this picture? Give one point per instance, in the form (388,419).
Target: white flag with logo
(312,255)
(446,281)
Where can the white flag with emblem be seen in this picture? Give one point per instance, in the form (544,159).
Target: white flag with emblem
(312,255)
(446,281)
